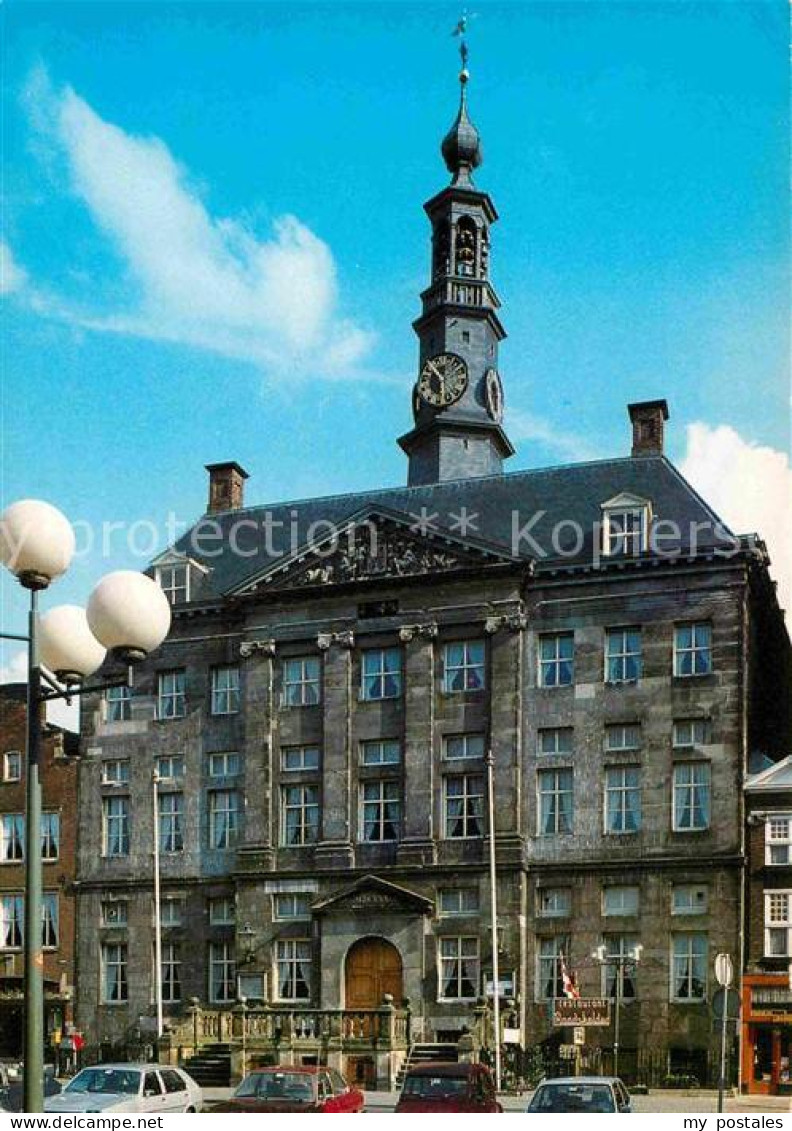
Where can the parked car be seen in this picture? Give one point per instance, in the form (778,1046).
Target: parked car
(12,1085)
(128,1087)
(581,1093)
(294,1088)
(444,1086)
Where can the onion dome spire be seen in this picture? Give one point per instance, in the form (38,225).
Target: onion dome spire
(461,148)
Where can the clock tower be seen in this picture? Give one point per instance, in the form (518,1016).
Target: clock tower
(458,397)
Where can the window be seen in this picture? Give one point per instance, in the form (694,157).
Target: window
(174,580)
(381,810)
(12,765)
(689,967)
(622,799)
(457,746)
(463,667)
(172,1081)
(458,901)
(460,978)
(115,826)
(114,913)
(171,703)
(50,921)
(556,660)
(688,899)
(300,758)
(381,674)
(222,972)
(778,924)
(12,922)
(118,704)
(171,911)
(778,840)
(556,740)
(620,900)
(170,972)
(463,806)
(618,977)
(623,736)
(222,911)
(115,771)
(554,902)
(171,821)
(12,846)
(301,686)
(623,655)
(625,531)
(292,905)
(691,796)
(114,972)
(692,732)
(223,817)
(50,836)
(170,767)
(555,802)
(223,765)
(551,954)
(300,809)
(225,690)
(693,648)
(387,753)
(293,962)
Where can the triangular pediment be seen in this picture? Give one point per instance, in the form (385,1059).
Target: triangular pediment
(371,894)
(623,501)
(374,545)
(776,777)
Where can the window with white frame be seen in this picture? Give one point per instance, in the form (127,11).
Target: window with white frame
(625,530)
(170,767)
(620,899)
(459,746)
(50,920)
(623,660)
(299,758)
(689,899)
(555,809)
(170,971)
(222,972)
(380,810)
(693,648)
(12,922)
(170,807)
(223,817)
(463,666)
(622,799)
(460,967)
(381,673)
(174,580)
(380,753)
(292,905)
(557,659)
(463,806)
(115,771)
(553,952)
(12,765)
(299,815)
(115,987)
(458,901)
(692,732)
(554,903)
(623,736)
(115,826)
(293,969)
(222,911)
(50,836)
(618,971)
(302,681)
(225,690)
(689,966)
(778,839)
(171,698)
(225,765)
(778,924)
(114,913)
(691,796)
(12,841)
(556,740)
(118,704)
(171,911)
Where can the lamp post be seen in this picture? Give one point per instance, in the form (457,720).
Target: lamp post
(493,876)
(724,973)
(155,780)
(127,614)
(621,962)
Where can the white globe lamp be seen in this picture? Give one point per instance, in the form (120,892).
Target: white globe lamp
(67,646)
(36,542)
(129,614)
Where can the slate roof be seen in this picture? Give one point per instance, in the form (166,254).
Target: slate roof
(571,494)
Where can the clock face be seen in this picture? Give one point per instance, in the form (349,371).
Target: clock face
(443,379)
(493,392)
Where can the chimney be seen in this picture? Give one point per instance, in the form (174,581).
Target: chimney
(226,487)
(648,421)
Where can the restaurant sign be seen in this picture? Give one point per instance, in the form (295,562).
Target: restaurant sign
(581,1011)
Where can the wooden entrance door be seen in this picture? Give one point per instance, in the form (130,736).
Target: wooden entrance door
(373,968)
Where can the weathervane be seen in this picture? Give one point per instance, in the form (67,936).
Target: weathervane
(460,32)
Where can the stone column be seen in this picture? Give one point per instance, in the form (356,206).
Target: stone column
(418,844)
(260,723)
(335,848)
(506,635)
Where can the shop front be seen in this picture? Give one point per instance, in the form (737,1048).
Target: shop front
(766,1034)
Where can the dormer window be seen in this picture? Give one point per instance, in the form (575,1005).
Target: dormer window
(174,580)
(625,526)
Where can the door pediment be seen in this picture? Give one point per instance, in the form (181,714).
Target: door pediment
(373,895)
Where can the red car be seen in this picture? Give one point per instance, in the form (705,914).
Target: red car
(444,1086)
(293,1088)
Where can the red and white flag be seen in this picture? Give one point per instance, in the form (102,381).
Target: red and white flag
(568,979)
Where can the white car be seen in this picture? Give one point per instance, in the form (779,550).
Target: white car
(128,1087)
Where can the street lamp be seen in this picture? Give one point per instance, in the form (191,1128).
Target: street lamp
(621,962)
(127,614)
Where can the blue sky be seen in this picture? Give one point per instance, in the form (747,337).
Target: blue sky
(161,313)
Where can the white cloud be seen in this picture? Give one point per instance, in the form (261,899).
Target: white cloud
(12,276)
(202,280)
(750,487)
(525,426)
(13,669)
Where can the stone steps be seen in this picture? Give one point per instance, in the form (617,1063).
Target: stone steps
(424,1053)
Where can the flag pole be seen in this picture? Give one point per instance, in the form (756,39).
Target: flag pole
(494,918)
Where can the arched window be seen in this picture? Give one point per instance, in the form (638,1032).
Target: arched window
(442,251)
(466,237)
